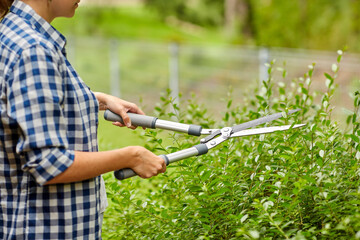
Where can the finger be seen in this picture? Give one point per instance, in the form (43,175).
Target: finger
(118,124)
(140,112)
(135,109)
(163,168)
(126,118)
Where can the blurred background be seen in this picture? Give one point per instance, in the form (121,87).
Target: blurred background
(136,49)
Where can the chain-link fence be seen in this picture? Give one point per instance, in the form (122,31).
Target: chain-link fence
(135,70)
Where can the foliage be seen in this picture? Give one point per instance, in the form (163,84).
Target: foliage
(307,24)
(129,23)
(204,13)
(298,184)
(316,24)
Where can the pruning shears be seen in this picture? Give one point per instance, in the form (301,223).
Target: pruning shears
(214,138)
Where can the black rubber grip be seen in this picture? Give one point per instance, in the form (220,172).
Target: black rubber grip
(119,175)
(202,149)
(124,173)
(195,130)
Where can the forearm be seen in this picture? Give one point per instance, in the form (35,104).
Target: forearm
(88,165)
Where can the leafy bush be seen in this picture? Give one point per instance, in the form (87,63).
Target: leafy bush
(204,13)
(298,184)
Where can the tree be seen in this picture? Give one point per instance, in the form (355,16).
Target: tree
(238,14)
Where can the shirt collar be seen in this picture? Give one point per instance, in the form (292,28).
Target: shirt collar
(38,23)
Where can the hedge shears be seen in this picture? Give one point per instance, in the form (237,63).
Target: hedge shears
(214,138)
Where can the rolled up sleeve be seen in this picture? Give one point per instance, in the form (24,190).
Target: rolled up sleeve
(35,103)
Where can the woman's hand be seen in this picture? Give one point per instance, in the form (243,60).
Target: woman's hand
(118,106)
(145,163)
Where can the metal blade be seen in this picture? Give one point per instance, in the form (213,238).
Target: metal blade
(259,121)
(246,125)
(256,131)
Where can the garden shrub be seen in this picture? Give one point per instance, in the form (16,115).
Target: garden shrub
(298,184)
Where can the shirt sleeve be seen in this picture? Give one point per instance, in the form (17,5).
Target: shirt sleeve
(35,98)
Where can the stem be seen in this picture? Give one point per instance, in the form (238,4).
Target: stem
(301,217)
(277,226)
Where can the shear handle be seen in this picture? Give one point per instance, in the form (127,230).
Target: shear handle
(169,158)
(153,122)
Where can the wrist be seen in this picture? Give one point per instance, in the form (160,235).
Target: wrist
(132,154)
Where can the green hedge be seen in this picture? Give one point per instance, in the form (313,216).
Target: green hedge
(298,184)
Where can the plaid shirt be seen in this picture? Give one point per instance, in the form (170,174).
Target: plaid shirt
(47,112)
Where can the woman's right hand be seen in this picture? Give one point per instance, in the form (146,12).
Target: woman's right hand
(145,163)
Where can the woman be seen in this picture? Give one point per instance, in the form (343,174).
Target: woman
(50,184)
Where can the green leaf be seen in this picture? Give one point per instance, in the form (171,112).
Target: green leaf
(329,77)
(195,188)
(282,91)
(243,218)
(304,90)
(339,59)
(354,138)
(205,175)
(311,72)
(309,179)
(260,98)
(222,191)
(320,162)
(227,116)
(229,104)
(348,119)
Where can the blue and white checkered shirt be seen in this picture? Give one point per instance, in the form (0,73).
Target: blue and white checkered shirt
(47,112)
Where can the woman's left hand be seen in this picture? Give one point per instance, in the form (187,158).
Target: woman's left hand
(118,106)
